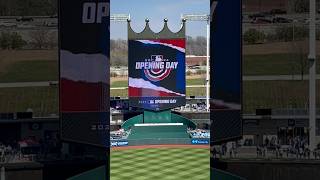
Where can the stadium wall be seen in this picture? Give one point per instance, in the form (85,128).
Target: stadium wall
(180,119)
(159,141)
(134,120)
(147,117)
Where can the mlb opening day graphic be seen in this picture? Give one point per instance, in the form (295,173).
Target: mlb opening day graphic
(157,73)
(84,71)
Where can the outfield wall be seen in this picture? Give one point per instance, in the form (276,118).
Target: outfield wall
(157,131)
(162,117)
(159,141)
(149,141)
(134,120)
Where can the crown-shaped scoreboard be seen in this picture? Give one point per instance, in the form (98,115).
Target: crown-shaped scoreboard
(157,79)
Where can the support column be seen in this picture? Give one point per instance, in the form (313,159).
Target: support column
(208,65)
(312,76)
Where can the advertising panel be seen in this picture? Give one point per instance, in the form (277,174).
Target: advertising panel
(84,70)
(200,141)
(119,143)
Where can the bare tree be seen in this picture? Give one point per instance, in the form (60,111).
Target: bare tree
(40,38)
(53,40)
(299,57)
(118,52)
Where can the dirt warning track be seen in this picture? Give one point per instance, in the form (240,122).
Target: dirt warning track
(161,146)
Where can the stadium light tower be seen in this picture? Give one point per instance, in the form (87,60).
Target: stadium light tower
(312,75)
(203,17)
(120,17)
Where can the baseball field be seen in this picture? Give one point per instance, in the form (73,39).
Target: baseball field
(160,163)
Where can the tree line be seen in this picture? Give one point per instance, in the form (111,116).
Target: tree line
(38,39)
(50,7)
(28,7)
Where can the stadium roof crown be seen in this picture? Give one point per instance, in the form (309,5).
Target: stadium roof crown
(165,33)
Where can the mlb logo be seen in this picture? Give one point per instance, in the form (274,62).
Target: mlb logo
(157,57)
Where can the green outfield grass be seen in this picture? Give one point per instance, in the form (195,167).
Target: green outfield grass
(256,94)
(160,164)
(119,84)
(42,100)
(47,70)
(198,81)
(273,64)
(24,71)
(276,94)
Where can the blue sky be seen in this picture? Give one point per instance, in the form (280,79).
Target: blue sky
(156,11)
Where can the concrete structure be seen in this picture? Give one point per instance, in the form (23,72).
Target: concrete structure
(263,6)
(192,60)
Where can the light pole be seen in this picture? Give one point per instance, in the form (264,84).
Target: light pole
(312,75)
(203,17)
(120,17)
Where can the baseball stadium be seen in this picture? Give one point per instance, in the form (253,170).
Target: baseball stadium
(158,143)
(149,100)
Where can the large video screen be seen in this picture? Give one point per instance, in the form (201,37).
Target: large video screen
(84,71)
(157,73)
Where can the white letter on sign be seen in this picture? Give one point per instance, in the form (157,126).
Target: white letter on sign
(89,13)
(103,11)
